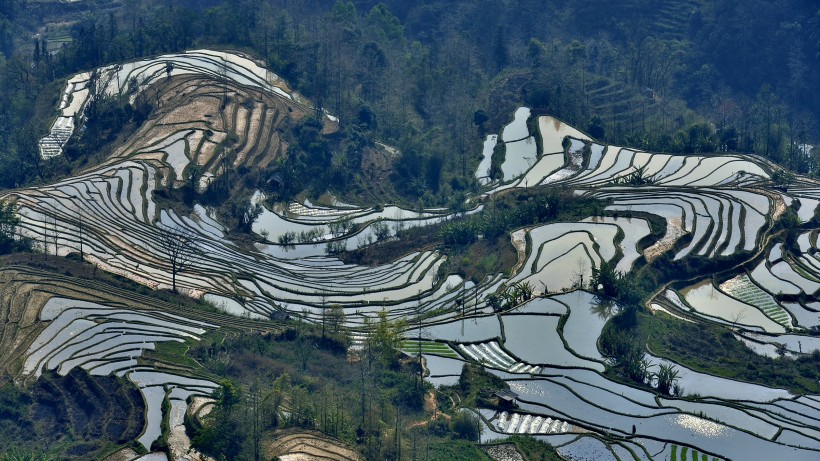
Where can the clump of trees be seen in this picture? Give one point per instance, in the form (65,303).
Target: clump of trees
(11,241)
(636,178)
(512,296)
(622,287)
(498,218)
(303,377)
(375,66)
(629,361)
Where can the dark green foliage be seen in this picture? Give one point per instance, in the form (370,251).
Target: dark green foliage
(10,240)
(403,390)
(377,66)
(221,434)
(465,425)
(244,212)
(495,301)
(622,287)
(353,400)
(514,295)
(627,354)
(384,339)
(453,450)
(477,385)
(107,117)
(526,208)
(16,454)
(15,420)
(666,375)
(782,179)
(499,155)
(480,118)
(790,226)
(78,416)
(534,449)
(596,128)
(636,178)
(713,349)
(418,171)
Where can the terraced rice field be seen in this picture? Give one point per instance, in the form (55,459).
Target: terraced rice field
(742,288)
(716,206)
(412,347)
(63,326)
(298,445)
(686,454)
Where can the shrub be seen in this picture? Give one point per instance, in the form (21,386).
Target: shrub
(465,425)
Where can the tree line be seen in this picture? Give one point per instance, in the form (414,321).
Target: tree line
(418,74)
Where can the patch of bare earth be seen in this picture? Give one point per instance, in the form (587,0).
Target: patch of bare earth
(296,445)
(674,231)
(126,454)
(519,241)
(505,452)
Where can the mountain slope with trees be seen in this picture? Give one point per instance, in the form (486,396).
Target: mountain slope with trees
(694,76)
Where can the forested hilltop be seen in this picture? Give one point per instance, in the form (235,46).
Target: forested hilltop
(673,76)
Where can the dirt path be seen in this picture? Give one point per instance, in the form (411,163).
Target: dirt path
(674,231)
(519,241)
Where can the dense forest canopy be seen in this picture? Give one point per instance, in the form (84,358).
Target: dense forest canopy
(430,77)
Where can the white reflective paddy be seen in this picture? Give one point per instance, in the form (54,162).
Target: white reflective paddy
(719,202)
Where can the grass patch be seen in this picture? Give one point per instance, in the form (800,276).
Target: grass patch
(483,258)
(428,347)
(476,386)
(713,349)
(171,352)
(534,449)
(456,450)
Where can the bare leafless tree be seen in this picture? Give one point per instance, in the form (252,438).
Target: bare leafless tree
(738,317)
(581,265)
(55,235)
(179,245)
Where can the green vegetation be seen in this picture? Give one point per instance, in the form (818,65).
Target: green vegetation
(76,417)
(410,74)
(308,375)
(622,287)
(479,244)
(514,295)
(653,80)
(476,385)
(703,347)
(15,454)
(534,449)
(412,347)
(10,239)
(713,349)
(636,178)
(454,450)
(357,398)
(109,122)
(517,209)
(627,353)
